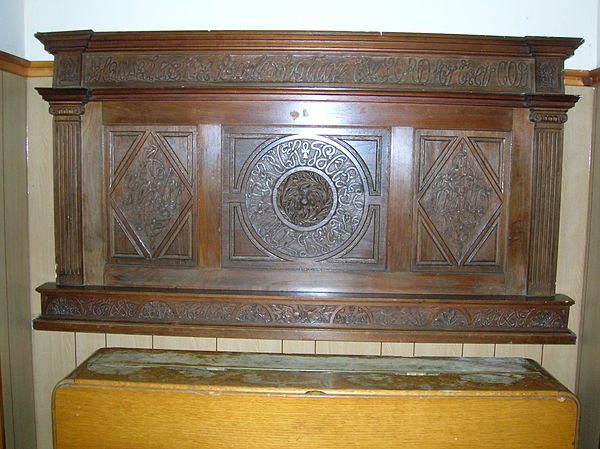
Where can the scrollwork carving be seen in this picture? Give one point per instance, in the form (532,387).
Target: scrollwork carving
(352,315)
(67,109)
(548,74)
(421,316)
(210,312)
(114,309)
(156,310)
(151,195)
(69,68)
(557,117)
(253,313)
(305,198)
(405,317)
(501,318)
(450,318)
(63,306)
(302,314)
(459,199)
(546,319)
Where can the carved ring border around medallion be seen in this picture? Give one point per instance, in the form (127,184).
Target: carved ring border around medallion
(262,209)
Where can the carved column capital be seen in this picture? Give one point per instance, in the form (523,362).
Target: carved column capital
(76,109)
(65,101)
(548,116)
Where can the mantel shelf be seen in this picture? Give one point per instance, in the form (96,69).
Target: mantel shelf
(307,315)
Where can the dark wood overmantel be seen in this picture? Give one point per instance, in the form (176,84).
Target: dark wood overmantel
(396,187)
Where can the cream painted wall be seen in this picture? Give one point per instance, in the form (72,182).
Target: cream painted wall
(508,17)
(56,353)
(12,27)
(598,36)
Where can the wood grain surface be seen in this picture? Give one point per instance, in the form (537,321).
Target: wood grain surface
(212,400)
(305,162)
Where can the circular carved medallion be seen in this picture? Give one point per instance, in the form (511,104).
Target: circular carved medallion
(304,198)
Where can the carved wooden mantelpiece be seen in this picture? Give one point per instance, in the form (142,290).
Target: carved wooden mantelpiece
(397,187)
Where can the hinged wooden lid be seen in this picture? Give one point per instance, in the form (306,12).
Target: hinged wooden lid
(321,374)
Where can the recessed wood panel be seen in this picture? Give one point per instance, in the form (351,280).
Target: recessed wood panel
(151,193)
(460,203)
(305,198)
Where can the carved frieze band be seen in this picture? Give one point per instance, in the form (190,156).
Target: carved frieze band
(408,316)
(415,71)
(547,161)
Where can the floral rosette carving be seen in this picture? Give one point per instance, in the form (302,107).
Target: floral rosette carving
(305,198)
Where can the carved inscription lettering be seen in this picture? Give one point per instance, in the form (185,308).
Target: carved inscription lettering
(513,75)
(303,198)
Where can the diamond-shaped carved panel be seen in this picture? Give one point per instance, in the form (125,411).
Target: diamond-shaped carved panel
(150,195)
(460,201)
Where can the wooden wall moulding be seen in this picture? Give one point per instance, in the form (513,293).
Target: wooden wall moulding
(394,187)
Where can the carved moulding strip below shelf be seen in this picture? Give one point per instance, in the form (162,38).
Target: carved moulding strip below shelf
(415,318)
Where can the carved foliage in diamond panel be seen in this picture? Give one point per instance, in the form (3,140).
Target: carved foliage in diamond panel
(151,193)
(460,201)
